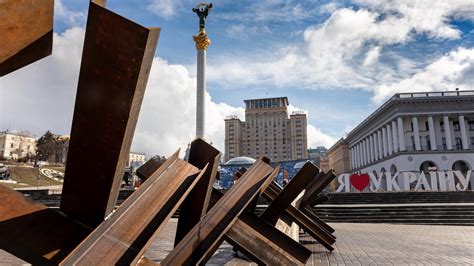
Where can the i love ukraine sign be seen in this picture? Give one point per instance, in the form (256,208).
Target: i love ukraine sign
(402,181)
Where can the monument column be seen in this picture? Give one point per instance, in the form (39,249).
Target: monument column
(202,42)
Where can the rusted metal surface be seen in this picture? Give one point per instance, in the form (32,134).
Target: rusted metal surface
(316,186)
(196,203)
(148,168)
(297,216)
(262,242)
(312,215)
(284,198)
(34,233)
(126,234)
(116,62)
(26,30)
(203,237)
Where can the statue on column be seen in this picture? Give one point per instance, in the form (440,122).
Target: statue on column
(202,10)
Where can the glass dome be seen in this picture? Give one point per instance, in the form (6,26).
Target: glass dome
(240,160)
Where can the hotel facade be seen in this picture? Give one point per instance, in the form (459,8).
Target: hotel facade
(268,130)
(415,132)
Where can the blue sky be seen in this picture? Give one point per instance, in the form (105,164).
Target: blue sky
(338,60)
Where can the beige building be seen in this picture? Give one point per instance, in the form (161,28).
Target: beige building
(136,158)
(15,144)
(267,131)
(338,157)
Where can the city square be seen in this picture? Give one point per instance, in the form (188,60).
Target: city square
(250,133)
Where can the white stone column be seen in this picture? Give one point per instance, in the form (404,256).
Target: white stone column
(367,148)
(376,146)
(353,157)
(462,127)
(389,139)
(371,149)
(447,132)
(401,134)
(200,94)
(356,152)
(431,130)
(364,153)
(350,158)
(359,151)
(379,144)
(395,137)
(384,142)
(416,133)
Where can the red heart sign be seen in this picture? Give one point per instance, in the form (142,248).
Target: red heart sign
(359,181)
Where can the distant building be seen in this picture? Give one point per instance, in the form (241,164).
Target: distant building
(338,157)
(316,154)
(16,144)
(319,151)
(413,132)
(267,131)
(324,164)
(136,159)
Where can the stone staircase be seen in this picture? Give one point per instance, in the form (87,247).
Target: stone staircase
(442,208)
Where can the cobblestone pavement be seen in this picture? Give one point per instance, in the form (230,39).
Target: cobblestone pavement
(357,244)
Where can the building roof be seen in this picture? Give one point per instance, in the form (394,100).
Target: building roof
(240,161)
(18,133)
(402,99)
(284,98)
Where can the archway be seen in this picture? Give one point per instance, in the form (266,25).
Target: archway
(462,166)
(428,166)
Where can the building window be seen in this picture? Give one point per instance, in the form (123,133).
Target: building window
(458,144)
(441,124)
(471,125)
(456,125)
(11,145)
(443,140)
(427,126)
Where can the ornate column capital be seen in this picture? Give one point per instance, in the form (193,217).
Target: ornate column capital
(202,41)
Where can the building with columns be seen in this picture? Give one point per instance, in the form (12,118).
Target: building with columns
(267,131)
(416,132)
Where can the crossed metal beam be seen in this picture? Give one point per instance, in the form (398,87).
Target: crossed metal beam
(87,229)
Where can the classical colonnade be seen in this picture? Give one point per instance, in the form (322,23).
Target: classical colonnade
(390,139)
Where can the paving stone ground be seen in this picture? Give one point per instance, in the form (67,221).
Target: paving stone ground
(357,244)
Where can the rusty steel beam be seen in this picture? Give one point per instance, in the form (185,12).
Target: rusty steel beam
(261,241)
(316,186)
(195,206)
(147,169)
(34,233)
(116,62)
(26,30)
(284,198)
(203,237)
(312,215)
(124,237)
(297,216)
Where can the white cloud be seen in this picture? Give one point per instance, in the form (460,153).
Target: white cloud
(453,70)
(347,50)
(165,8)
(41,97)
(372,56)
(67,16)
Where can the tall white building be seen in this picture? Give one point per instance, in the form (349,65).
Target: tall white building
(416,131)
(267,131)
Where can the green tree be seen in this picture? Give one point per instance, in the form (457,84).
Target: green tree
(46,147)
